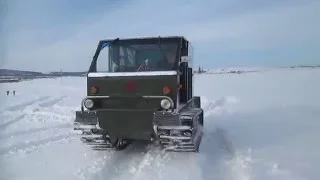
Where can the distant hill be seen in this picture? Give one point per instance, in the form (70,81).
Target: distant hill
(9,72)
(305,66)
(8,75)
(240,70)
(67,74)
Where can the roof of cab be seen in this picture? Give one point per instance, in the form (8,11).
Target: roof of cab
(149,38)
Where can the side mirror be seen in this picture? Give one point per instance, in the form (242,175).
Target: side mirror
(185,58)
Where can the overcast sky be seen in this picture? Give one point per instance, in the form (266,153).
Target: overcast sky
(44,35)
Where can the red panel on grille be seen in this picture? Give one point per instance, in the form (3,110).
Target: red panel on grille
(131,85)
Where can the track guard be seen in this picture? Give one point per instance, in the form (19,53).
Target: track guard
(180,131)
(196,101)
(93,135)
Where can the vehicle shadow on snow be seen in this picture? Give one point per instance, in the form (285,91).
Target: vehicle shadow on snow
(215,148)
(228,134)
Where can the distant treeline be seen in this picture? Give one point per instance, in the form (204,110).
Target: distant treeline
(25,74)
(67,74)
(8,75)
(14,73)
(305,66)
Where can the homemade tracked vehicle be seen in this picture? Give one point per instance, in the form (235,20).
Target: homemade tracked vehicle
(141,89)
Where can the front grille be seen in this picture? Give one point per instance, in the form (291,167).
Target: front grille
(129,103)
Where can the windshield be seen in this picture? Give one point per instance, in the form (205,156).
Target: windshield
(120,57)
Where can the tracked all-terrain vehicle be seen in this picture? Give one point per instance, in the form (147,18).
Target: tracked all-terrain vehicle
(141,89)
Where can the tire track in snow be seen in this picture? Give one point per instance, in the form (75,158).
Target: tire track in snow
(149,165)
(35,144)
(139,160)
(16,119)
(51,102)
(121,162)
(34,109)
(35,130)
(23,105)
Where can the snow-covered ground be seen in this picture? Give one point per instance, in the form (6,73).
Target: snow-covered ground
(261,125)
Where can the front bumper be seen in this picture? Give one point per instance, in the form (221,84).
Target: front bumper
(123,123)
(127,123)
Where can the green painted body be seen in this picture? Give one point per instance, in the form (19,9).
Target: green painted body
(126,113)
(125,89)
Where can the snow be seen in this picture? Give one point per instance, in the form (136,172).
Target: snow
(258,126)
(145,73)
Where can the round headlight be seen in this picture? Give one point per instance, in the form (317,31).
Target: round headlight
(88,103)
(165,104)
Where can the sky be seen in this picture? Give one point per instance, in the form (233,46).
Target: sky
(46,35)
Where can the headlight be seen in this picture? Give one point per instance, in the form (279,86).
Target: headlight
(165,104)
(88,103)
